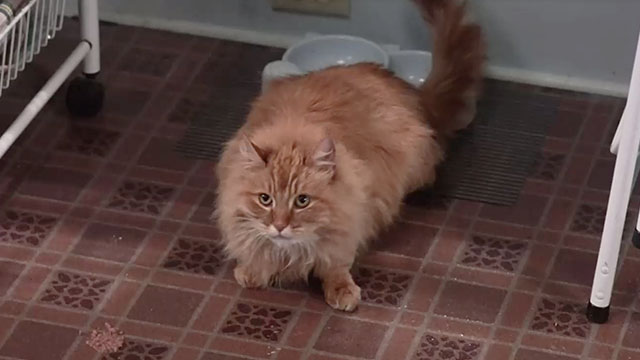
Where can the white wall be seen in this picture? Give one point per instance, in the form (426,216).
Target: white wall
(568,43)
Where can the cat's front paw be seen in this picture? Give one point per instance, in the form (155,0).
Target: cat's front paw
(344,297)
(247,279)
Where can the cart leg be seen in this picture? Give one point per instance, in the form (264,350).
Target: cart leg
(90,31)
(598,309)
(621,186)
(85,95)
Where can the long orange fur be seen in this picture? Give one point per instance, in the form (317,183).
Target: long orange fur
(354,140)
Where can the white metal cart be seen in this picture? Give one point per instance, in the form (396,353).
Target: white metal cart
(625,144)
(34,25)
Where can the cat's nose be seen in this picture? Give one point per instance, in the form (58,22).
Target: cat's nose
(279,225)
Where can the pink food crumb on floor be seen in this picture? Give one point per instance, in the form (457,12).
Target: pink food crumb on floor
(106,340)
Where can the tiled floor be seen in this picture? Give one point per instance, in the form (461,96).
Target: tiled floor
(102,222)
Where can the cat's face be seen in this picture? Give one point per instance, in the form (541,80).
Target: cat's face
(286,192)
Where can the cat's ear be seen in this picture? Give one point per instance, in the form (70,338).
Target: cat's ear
(251,153)
(325,155)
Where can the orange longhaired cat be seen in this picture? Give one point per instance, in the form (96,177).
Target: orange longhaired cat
(325,159)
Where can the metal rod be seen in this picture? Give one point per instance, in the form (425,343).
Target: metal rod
(12,45)
(26,42)
(43,96)
(90,30)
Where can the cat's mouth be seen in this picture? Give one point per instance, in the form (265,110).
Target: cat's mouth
(280,240)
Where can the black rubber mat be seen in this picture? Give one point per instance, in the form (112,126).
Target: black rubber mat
(211,127)
(233,79)
(489,162)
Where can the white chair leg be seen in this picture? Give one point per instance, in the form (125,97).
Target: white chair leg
(598,310)
(85,94)
(90,31)
(623,179)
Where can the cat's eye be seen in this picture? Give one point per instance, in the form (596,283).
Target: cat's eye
(265,199)
(302,201)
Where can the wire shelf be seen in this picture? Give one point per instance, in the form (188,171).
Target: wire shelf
(36,23)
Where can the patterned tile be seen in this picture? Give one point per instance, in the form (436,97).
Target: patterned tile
(257,322)
(548,166)
(75,291)
(52,342)
(195,256)
(147,62)
(89,141)
(138,196)
(589,219)
(493,253)
(439,347)
(139,350)
(24,228)
(255,329)
(560,318)
(382,287)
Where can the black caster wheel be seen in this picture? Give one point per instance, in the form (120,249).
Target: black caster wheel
(85,97)
(635,240)
(597,315)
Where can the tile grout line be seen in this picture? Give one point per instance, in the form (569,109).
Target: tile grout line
(117,279)
(412,286)
(42,248)
(174,346)
(215,333)
(539,293)
(625,248)
(298,309)
(618,346)
(589,341)
(424,328)
(517,274)
(511,289)
(140,249)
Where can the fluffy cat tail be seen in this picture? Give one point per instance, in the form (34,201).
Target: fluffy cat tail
(449,94)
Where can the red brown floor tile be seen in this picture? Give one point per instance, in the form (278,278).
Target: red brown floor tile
(38,341)
(156,304)
(456,302)
(350,337)
(102,221)
(109,242)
